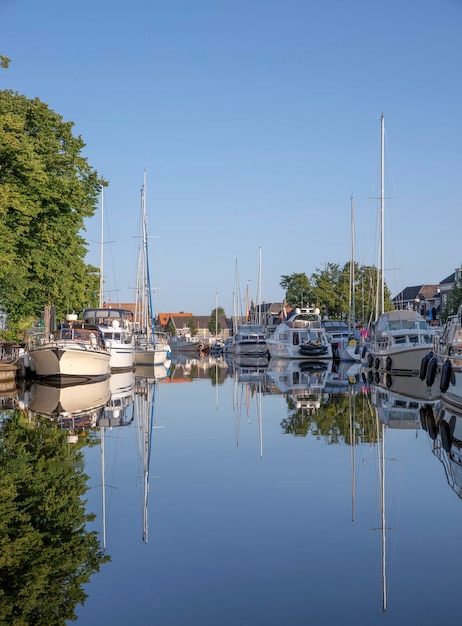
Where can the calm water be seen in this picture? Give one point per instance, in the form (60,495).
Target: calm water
(277,496)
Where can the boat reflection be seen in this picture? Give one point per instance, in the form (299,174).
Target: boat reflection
(302,381)
(118,411)
(343,376)
(411,386)
(248,393)
(72,406)
(397,409)
(154,372)
(248,369)
(145,391)
(444,427)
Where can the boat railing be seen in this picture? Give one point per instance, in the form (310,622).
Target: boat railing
(298,323)
(82,336)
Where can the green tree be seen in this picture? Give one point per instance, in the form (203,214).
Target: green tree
(328,289)
(453,300)
(192,327)
(46,552)
(47,189)
(214,326)
(171,328)
(298,289)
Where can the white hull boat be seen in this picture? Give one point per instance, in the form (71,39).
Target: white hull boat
(75,350)
(116,328)
(399,341)
(301,336)
(399,338)
(250,339)
(441,367)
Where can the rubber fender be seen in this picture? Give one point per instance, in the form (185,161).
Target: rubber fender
(423,417)
(431,371)
(431,425)
(388,363)
(445,434)
(445,377)
(424,365)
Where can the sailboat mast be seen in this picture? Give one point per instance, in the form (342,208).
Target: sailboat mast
(101,243)
(259,289)
(143,265)
(382,212)
(351,295)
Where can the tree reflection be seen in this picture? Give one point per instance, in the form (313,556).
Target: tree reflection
(46,552)
(331,419)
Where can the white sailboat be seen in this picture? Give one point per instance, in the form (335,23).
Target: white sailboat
(115,324)
(151,347)
(348,350)
(399,338)
(250,338)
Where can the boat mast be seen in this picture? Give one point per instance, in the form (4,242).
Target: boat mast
(382,211)
(146,294)
(101,243)
(351,295)
(259,289)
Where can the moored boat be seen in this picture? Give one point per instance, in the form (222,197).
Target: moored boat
(74,350)
(151,347)
(116,328)
(300,336)
(250,339)
(441,367)
(398,342)
(398,338)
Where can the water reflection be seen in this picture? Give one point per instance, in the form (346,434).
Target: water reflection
(144,398)
(346,420)
(444,427)
(47,552)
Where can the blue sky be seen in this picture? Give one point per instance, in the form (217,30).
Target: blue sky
(256,121)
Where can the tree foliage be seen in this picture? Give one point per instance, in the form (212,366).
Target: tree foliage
(298,289)
(328,289)
(453,300)
(47,189)
(46,553)
(214,326)
(192,327)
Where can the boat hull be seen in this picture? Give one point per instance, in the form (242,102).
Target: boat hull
(394,359)
(69,361)
(284,350)
(122,356)
(151,355)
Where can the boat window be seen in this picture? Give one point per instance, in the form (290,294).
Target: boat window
(414,339)
(295,339)
(400,339)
